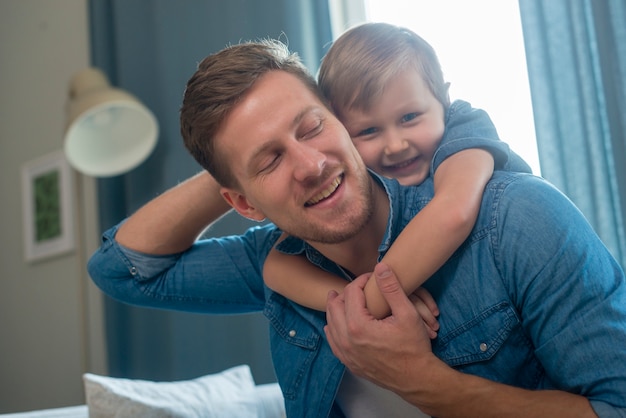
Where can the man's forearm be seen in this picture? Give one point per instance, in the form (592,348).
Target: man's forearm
(449,393)
(171,222)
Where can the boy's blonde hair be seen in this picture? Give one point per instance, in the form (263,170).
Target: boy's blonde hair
(365,58)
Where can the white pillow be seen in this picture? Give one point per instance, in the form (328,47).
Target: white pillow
(270,401)
(225,394)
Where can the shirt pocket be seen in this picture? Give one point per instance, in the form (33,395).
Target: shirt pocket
(295,343)
(492,345)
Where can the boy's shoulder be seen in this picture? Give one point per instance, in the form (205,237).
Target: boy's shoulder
(459,108)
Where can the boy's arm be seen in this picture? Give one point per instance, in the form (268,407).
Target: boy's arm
(435,233)
(300,281)
(295,278)
(171,222)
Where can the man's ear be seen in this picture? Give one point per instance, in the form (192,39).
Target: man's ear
(241,204)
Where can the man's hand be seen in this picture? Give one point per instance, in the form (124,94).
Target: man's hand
(395,353)
(378,350)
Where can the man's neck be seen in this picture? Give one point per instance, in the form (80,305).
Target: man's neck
(359,254)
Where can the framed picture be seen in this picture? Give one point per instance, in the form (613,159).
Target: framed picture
(48,207)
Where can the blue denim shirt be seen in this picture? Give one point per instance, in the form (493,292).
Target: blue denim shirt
(532,299)
(467,127)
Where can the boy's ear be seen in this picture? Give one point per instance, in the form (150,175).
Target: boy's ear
(241,204)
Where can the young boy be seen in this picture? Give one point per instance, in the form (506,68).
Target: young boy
(386,86)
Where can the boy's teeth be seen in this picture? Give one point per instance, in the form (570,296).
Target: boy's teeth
(403,163)
(326,192)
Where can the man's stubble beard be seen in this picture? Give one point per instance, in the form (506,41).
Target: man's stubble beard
(350,226)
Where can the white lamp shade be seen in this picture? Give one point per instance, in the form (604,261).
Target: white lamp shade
(109,131)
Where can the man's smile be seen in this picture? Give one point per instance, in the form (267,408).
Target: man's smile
(325,193)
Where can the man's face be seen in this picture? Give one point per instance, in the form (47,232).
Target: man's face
(397,137)
(294,162)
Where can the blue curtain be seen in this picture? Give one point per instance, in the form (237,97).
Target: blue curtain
(151,48)
(576,54)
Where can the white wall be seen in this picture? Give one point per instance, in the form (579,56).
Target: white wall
(50,313)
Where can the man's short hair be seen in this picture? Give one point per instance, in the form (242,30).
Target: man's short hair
(219,84)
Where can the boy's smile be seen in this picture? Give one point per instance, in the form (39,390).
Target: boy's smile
(398,135)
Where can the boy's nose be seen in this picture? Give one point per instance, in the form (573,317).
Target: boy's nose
(395,143)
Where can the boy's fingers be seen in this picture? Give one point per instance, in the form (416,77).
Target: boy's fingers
(428,299)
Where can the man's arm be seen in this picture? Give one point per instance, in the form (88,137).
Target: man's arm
(171,222)
(153,259)
(395,353)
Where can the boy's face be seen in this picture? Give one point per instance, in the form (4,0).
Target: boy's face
(294,162)
(397,137)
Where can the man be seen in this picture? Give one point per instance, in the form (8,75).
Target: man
(253,117)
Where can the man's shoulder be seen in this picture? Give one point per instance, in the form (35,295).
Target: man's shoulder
(523,194)
(516,184)
(502,179)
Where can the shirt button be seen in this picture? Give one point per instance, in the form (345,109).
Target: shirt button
(133,270)
(292,333)
(483,347)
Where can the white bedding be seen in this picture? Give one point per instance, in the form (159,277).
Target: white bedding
(79,411)
(230,393)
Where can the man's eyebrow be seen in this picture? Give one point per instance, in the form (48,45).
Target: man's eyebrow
(302,114)
(257,153)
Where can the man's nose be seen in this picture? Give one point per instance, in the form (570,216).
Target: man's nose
(394,142)
(308,161)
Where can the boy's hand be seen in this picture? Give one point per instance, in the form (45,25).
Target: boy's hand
(428,310)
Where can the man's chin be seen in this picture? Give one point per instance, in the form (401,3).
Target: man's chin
(338,230)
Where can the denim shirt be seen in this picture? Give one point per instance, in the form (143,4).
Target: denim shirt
(532,299)
(467,127)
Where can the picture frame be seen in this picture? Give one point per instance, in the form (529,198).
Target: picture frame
(48,207)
